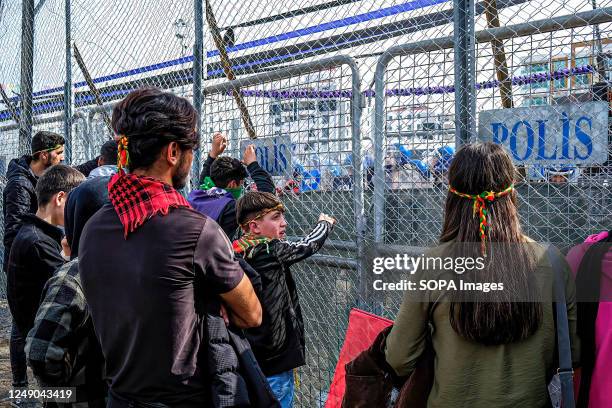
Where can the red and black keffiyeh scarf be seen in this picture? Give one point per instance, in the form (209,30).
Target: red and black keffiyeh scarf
(138,198)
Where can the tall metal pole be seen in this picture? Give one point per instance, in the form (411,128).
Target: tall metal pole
(198,54)
(27,75)
(465,71)
(68,88)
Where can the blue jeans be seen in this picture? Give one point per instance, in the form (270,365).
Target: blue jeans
(283,387)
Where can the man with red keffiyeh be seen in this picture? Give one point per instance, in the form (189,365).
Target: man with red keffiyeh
(151,266)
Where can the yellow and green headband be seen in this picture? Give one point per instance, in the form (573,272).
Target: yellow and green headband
(50,149)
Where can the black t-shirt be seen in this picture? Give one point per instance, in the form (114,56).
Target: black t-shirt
(146,296)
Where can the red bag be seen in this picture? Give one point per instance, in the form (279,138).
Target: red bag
(361,332)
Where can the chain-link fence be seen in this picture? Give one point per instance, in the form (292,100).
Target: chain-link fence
(312,113)
(358,107)
(415,128)
(416,131)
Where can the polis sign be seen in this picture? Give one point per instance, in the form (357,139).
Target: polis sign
(273,153)
(549,134)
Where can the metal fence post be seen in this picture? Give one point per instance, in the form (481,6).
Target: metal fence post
(27,74)
(234,144)
(357,105)
(379,145)
(198,53)
(465,69)
(68,88)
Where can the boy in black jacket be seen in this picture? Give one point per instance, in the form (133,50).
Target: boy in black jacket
(279,343)
(222,182)
(35,255)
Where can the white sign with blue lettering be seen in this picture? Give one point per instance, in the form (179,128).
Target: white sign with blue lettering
(273,153)
(559,134)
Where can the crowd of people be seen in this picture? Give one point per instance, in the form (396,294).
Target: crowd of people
(139,296)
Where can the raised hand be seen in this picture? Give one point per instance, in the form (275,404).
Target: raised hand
(328,218)
(249,155)
(219,143)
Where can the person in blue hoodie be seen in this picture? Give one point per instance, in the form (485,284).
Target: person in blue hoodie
(222,183)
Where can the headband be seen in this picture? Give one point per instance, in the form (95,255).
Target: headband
(480,204)
(48,150)
(262,213)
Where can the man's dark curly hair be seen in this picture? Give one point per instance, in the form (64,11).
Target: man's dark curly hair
(225,169)
(151,118)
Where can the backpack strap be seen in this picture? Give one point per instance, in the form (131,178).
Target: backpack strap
(565,370)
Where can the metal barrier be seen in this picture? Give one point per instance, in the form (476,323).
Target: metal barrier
(328,283)
(409,211)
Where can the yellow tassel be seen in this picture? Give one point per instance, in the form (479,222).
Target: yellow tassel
(296,378)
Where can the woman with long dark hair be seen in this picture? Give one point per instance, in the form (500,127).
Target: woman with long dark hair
(492,349)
